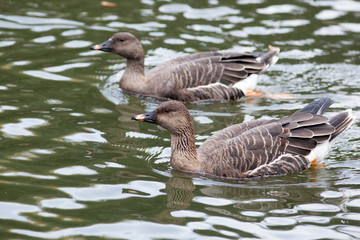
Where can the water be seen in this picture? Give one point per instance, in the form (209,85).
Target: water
(73,164)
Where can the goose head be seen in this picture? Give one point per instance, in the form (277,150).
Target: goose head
(171,115)
(124,44)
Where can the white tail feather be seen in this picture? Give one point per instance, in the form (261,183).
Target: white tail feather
(248,83)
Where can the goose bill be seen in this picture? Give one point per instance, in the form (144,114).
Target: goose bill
(105,46)
(146,117)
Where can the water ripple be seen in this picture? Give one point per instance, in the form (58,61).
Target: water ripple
(21,128)
(329,14)
(46,75)
(26,174)
(125,229)
(44,39)
(146,27)
(210,13)
(284,8)
(317,207)
(93,136)
(100,192)
(60,203)
(37,24)
(14,211)
(75,170)
(65,67)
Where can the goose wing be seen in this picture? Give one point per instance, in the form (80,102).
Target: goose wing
(208,75)
(266,147)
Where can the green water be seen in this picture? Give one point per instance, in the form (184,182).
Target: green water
(74,166)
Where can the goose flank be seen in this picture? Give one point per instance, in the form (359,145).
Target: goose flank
(194,77)
(258,148)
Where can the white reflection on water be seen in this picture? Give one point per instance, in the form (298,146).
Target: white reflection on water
(353,203)
(213,201)
(147,26)
(46,75)
(13,211)
(77,44)
(252,214)
(5,108)
(37,24)
(332,30)
(110,165)
(210,13)
(340,29)
(329,14)
(349,216)
(301,231)
(279,221)
(300,54)
(318,208)
(202,38)
(312,219)
(174,41)
(72,32)
(75,170)
(286,23)
(259,30)
(26,174)
(342,5)
(7,43)
(61,203)
(93,136)
(31,154)
(174,8)
(188,213)
(140,135)
(44,39)
(39,20)
(125,230)
(65,67)
(285,8)
(100,192)
(21,128)
(205,28)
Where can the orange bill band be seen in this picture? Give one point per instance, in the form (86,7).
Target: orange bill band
(96,47)
(140,117)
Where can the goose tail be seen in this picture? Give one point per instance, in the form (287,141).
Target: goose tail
(317,107)
(341,122)
(269,58)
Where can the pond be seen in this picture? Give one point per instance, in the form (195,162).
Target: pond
(74,166)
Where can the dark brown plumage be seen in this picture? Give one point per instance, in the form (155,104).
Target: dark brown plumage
(194,77)
(258,148)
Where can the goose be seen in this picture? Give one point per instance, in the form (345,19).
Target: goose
(254,149)
(194,77)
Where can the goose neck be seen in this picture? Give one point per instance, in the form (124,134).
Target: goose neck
(134,77)
(183,151)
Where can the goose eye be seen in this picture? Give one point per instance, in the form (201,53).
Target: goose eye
(167,110)
(121,39)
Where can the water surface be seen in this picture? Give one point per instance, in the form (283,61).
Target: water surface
(73,164)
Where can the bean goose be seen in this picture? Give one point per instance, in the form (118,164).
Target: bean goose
(194,77)
(253,149)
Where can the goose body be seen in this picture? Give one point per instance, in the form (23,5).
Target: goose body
(253,149)
(194,77)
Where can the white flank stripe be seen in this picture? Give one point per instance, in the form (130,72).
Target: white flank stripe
(211,85)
